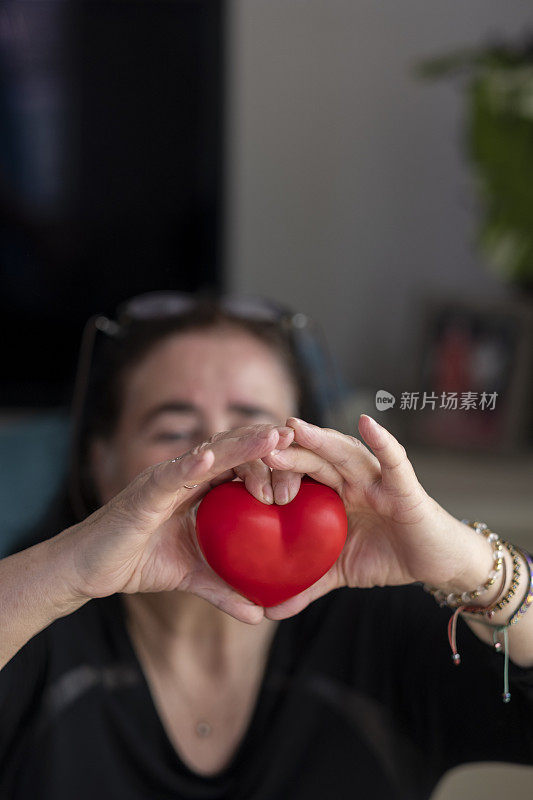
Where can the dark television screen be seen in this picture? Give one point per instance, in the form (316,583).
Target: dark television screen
(110,170)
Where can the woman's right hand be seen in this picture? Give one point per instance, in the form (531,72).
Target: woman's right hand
(144,539)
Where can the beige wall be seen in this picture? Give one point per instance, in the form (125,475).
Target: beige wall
(347,193)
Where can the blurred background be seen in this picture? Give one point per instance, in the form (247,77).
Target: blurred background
(370,164)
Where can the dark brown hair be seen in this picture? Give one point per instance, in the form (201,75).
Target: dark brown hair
(117,355)
(113,358)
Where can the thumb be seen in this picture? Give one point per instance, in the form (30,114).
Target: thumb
(156,492)
(397,471)
(159,489)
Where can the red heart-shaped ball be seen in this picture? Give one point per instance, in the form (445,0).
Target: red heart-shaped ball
(269,553)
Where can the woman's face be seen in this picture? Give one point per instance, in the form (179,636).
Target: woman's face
(188,387)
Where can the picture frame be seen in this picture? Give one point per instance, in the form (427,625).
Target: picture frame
(474,376)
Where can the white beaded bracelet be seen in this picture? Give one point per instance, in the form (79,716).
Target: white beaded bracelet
(455,599)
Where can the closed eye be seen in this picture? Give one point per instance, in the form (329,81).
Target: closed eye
(172,436)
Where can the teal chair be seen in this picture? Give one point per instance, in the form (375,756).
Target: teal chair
(33,459)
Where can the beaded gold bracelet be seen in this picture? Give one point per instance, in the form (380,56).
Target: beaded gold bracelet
(456,599)
(515,581)
(528,597)
(500,601)
(527,602)
(488,611)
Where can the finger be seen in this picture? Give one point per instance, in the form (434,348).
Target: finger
(235,447)
(285,485)
(347,454)
(305,462)
(331,580)
(160,488)
(398,475)
(256,477)
(285,433)
(154,494)
(256,473)
(268,485)
(205,583)
(224,477)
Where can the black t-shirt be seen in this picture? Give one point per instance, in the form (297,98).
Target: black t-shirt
(359,699)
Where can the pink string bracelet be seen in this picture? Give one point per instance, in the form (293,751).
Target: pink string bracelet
(452,624)
(489,612)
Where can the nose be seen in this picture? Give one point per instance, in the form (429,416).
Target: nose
(211,425)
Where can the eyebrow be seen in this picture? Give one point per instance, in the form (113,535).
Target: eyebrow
(183,407)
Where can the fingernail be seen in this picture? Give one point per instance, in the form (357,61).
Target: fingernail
(281,494)
(378,429)
(301,422)
(268,495)
(372,420)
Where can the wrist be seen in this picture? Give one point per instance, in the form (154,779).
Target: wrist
(477,564)
(64,593)
(34,592)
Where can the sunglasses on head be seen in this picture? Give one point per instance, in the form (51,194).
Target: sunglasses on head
(162,305)
(305,336)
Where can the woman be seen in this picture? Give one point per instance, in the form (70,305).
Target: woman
(133,671)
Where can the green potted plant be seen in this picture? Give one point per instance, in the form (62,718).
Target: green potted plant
(499,83)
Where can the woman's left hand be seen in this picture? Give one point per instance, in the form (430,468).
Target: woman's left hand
(397,533)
